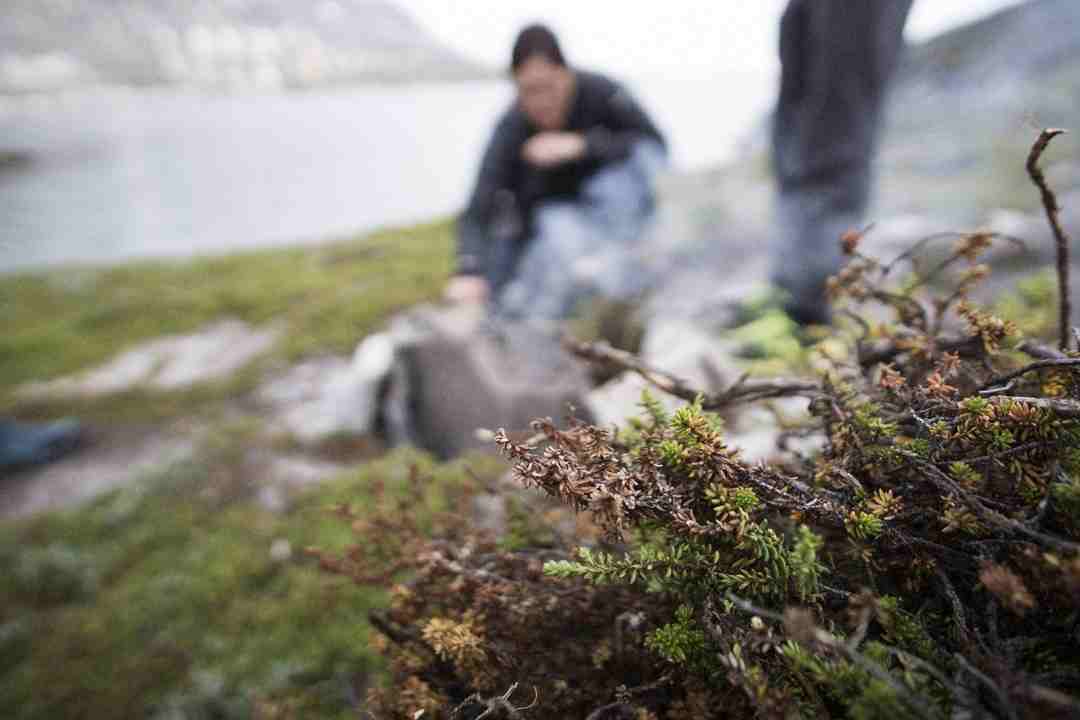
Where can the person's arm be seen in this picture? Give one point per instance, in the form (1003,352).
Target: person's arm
(625,122)
(496,173)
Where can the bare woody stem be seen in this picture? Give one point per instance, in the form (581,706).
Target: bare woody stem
(742,390)
(1049,201)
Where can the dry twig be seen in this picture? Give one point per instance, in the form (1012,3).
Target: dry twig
(1040,365)
(497,704)
(742,390)
(1050,203)
(1040,351)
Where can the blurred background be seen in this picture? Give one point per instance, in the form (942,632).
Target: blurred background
(212,210)
(149,128)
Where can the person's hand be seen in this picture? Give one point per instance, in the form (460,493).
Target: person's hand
(467,289)
(548,149)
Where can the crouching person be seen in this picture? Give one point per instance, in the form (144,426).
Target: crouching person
(564,194)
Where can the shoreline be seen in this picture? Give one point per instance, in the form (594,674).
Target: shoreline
(326,296)
(40,95)
(313,243)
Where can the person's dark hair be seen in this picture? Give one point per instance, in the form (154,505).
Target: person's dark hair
(535,40)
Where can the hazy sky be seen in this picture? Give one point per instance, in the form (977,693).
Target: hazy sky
(634,39)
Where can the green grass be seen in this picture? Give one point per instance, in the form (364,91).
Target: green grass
(163,600)
(326,297)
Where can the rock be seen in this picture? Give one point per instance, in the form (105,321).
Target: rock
(300,471)
(282,476)
(300,400)
(688,351)
(167,363)
(754,445)
(894,234)
(272,498)
(254,45)
(280,550)
(705,296)
(489,513)
(757,429)
(216,352)
(100,466)
(1014,222)
(329,396)
(618,399)
(455,373)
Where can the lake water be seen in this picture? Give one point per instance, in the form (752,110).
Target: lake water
(116,174)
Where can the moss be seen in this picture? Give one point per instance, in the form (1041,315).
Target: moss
(164,599)
(327,297)
(1032,304)
(525,528)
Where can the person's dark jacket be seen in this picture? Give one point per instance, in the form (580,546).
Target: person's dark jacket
(507,185)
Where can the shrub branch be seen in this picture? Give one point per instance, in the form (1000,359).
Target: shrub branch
(1050,203)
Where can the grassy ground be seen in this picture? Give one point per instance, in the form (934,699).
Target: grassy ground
(327,297)
(164,600)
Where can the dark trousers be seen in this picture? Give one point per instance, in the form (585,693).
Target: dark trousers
(837,57)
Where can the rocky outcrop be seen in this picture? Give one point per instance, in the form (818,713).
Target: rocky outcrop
(221,44)
(172,362)
(323,397)
(456,378)
(441,379)
(967,107)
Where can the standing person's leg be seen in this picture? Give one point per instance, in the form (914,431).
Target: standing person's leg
(806,250)
(837,57)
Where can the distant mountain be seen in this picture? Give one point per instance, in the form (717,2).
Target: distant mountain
(221,44)
(965,109)
(968,105)
(1019,44)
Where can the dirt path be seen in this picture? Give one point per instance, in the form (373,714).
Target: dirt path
(105,460)
(112,457)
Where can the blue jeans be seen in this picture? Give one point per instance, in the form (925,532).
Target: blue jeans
(589,246)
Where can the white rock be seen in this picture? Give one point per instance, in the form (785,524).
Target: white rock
(93,470)
(372,359)
(216,352)
(272,498)
(320,398)
(618,399)
(280,550)
(168,363)
(489,513)
(689,353)
(757,429)
(328,396)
